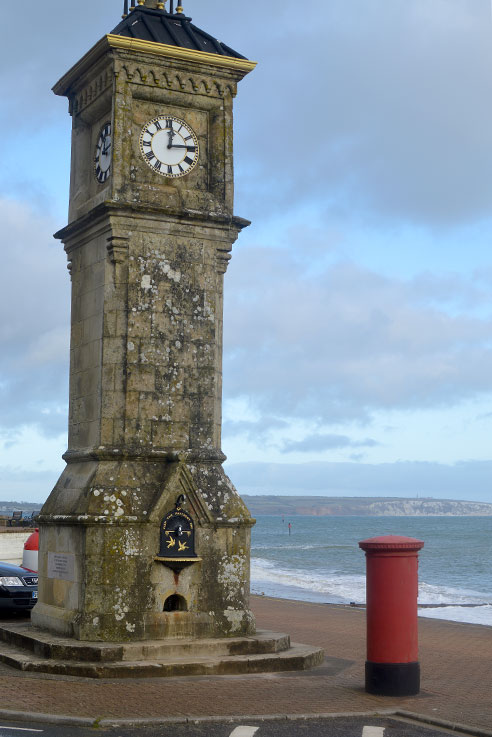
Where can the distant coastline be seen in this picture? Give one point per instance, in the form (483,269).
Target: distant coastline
(25,507)
(333,506)
(321,506)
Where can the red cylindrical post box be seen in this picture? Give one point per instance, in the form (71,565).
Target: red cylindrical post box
(392,667)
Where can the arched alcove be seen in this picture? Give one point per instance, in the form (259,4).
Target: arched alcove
(175,603)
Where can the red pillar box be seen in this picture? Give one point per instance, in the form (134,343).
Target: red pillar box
(392,667)
(30,554)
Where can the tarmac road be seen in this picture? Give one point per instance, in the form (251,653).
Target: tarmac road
(366,726)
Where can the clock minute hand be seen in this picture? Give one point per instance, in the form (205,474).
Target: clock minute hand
(179,145)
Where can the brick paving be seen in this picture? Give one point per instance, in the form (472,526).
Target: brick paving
(456,661)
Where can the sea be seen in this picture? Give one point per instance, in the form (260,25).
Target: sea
(319,560)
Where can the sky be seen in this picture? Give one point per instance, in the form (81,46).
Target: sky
(358,304)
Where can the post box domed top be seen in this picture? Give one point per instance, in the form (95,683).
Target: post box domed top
(391,542)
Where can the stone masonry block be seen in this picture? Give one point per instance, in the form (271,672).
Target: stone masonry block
(141,378)
(107,436)
(114,351)
(91,303)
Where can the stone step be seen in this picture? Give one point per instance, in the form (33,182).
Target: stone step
(45,645)
(297,657)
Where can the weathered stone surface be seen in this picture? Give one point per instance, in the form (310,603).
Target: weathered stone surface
(147,257)
(29,649)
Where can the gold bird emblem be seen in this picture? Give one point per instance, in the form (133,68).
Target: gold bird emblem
(181,547)
(171,542)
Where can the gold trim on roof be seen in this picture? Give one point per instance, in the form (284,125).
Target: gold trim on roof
(177,52)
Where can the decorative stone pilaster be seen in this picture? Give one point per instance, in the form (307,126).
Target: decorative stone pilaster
(118,249)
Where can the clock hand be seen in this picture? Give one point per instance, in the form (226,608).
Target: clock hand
(179,145)
(171,133)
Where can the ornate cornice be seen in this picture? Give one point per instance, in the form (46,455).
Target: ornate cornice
(185,81)
(153,455)
(98,214)
(238,67)
(91,92)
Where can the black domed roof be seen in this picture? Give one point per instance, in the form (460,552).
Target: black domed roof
(173,29)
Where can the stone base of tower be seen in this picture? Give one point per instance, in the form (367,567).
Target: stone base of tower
(101,575)
(29,649)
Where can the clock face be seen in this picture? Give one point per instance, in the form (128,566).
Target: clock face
(102,158)
(169,146)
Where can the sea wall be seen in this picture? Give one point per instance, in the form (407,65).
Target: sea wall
(12,545)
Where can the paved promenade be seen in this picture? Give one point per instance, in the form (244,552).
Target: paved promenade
(456,661)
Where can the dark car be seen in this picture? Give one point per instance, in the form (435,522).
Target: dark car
(18,588)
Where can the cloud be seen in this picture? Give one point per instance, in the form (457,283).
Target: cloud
(378,107)
(371,110)
(465,480)
(366,107)
(342,343)
(257,431)
(20,484)
(34,334)
(321,442)
(485,416)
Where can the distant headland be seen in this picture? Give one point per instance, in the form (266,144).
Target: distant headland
(323,506)
(333,506)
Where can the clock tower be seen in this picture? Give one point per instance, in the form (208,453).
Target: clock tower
(144,536)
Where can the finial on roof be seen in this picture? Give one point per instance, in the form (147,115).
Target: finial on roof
(130,5)
(152,4)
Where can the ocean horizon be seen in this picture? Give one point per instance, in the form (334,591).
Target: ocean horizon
(320,561)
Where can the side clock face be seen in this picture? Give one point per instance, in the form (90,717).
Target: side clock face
(102,158)
(169,146)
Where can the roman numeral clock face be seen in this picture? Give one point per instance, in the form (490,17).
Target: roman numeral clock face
(169,146)
(102,156)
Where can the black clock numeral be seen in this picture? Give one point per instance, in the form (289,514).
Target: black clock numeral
(188,138)
(169,123)
(147,143)
(158,125)
(157,165)
(149,155)
(180,168)
(188,160)
(191,149)
(180,129)
(169,169)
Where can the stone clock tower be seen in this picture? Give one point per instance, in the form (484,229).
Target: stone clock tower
(144,541)
(144,536)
